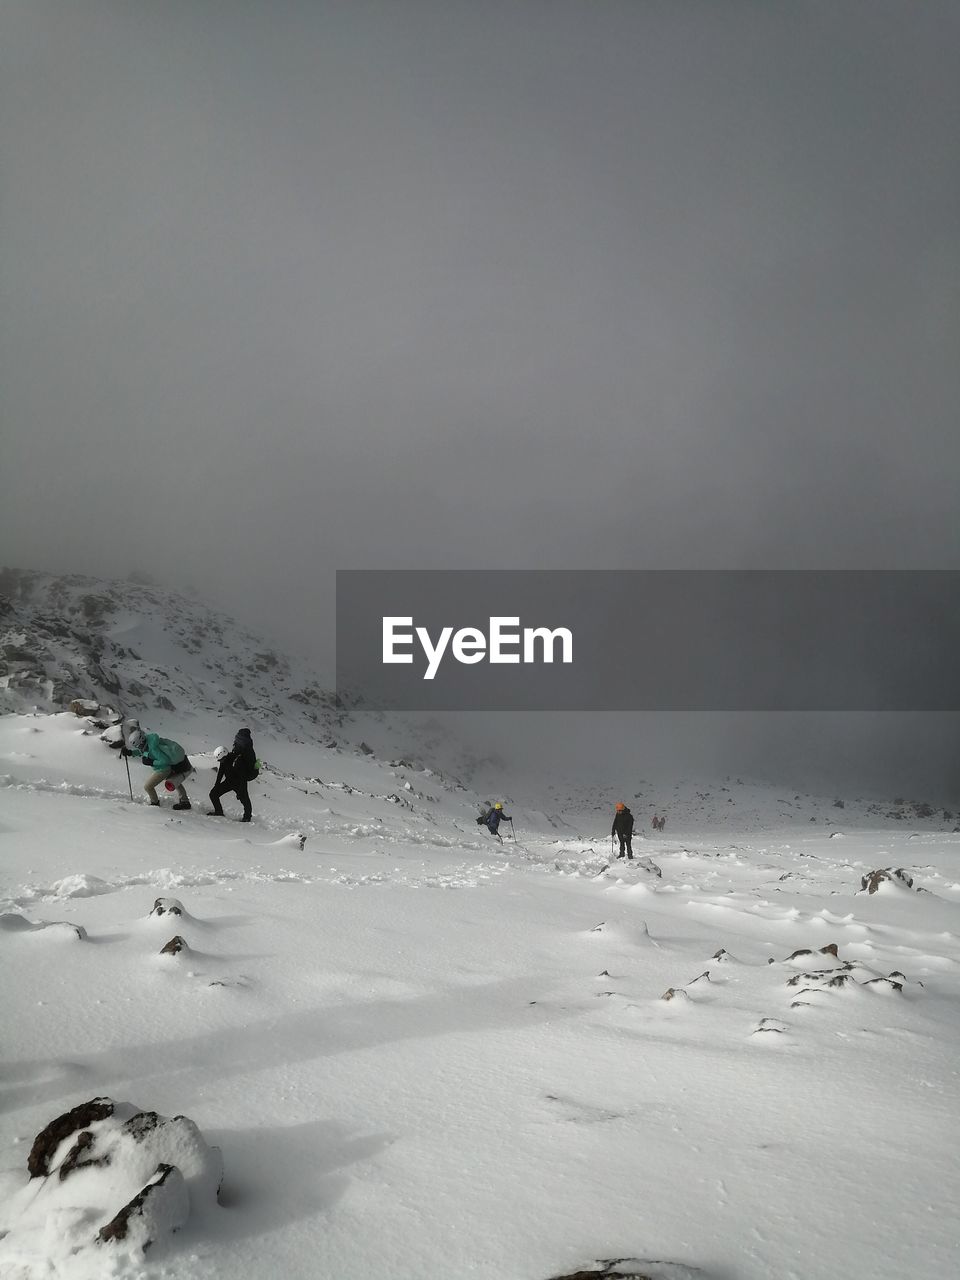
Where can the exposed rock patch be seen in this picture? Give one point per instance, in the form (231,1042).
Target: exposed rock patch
(872,881)
(48,1140)
(113,1175)
(634,1269)
(161,1207)
(167,906)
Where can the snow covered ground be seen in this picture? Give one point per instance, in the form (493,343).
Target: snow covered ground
(423,1055)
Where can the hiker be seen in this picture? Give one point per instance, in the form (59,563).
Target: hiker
(655,823)
(623,829)
(238,767)
(166,758)
(663,822)
(492,819)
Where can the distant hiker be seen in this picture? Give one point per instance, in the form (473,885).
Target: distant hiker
(238,767)
(167,759)
(655,823)
(623,829)
(492,819)
(663,822)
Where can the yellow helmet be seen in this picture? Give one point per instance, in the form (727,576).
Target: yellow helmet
(498,805)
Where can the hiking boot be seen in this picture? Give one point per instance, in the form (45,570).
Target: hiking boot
(154,804)
(245,818)
(184,804)
(216,813)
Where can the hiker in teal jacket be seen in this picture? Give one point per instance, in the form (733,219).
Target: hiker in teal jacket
(166,758)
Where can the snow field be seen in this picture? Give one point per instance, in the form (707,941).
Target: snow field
(484,1081)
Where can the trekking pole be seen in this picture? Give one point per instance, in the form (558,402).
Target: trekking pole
(123,747)
(513,831)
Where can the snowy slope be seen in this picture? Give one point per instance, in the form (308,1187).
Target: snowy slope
(484,1081)
(186,671)
(148,651)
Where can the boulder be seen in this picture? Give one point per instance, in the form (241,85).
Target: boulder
(113,1176)
(872,881)
(84,707)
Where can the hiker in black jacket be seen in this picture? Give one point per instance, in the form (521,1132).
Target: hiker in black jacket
(237,768)
(623,829)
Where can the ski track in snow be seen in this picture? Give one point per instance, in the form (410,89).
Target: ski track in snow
(582,1059)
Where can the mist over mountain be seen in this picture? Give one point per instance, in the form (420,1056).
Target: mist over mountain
(169,658)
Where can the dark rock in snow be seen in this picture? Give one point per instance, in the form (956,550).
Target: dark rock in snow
(48,1140)
(163,1203)
(174,946)
(823,978)
(139,1174)
(365,750)
(84,707)
(830,949)
(167,906)
(874,879)
(770,1025)
(74,1158)
(635,1269)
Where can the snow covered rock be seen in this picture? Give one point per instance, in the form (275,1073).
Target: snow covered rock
(634,1269)
(873,880)
(161,1207)
(84,707)
(107,1174)
(113,736)
(10,922)
(167,906)
(174,946)
(79,886)
(296,839)
(49,1140)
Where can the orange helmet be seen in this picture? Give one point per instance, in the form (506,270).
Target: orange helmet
(620,805)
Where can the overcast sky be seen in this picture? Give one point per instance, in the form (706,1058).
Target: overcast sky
(288,287)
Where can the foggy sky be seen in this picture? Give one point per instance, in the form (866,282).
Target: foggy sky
(287,287)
